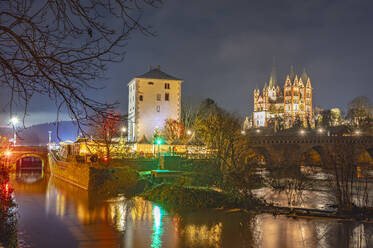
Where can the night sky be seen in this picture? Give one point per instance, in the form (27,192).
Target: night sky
(224,49)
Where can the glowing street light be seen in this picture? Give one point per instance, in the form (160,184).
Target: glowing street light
(8,153)
(320,130)
(243,132)
(14,121)
(302,132)
(357,132)
(258,130)
(158,141)
(124,129)
(189,132)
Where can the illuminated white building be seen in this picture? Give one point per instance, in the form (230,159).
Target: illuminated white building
(153,98)
(291,102)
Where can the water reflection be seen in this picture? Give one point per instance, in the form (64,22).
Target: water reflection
(56,214)
(157,227)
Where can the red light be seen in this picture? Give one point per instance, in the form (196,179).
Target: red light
(105,158)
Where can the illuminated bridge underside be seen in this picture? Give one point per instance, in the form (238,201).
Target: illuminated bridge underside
(20,152)
(278,150)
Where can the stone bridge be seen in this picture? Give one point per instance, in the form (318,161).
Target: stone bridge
(14,154)
(277,150)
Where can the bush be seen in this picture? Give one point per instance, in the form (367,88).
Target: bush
(177,197)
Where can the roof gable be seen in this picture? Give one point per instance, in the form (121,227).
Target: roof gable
(157,74)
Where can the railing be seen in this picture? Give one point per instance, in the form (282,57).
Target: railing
(259,140)
(28,148)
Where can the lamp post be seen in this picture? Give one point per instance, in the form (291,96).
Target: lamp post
(14,121)
(123,131)
(159,142)
(320,130)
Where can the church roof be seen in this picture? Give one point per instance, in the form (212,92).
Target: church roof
(143,140)
(157,74)
(273,78)
(304,76)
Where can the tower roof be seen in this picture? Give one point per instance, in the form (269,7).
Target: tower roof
(291,74)
(273,78)
(157,74)
(304,76)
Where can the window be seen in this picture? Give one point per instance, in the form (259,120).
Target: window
(158,97)
(167,86)
(166,97)
(141,98)
(150,83)
(158,108)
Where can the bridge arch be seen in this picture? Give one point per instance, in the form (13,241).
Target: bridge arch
(365,156)
(17,158)
(263,154)
(313,155)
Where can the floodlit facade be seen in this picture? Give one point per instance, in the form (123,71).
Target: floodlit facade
(292,101)
(153,98)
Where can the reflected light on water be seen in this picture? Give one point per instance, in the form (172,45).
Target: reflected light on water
(118,214)
(157,227)
(88,221)
(202,234)
(60,205)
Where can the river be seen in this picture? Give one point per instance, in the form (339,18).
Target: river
(53,213)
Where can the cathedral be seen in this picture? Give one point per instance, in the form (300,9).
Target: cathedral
(291,102)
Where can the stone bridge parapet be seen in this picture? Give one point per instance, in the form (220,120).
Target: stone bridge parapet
(289,149)
(19,152)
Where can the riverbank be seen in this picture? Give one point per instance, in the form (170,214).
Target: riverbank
(174,197)
(81,218)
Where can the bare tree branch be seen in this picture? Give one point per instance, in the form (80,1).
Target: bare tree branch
(57,48)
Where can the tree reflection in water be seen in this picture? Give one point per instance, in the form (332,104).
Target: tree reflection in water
(97,222)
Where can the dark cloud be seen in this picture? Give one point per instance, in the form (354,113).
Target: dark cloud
(224,49)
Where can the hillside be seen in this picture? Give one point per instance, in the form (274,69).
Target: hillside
(38,134)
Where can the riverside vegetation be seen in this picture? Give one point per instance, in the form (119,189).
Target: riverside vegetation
(235,173)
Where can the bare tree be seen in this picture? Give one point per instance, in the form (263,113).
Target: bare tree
(350,187)
(104,130)
(188,115)
(58,47)
(359,109)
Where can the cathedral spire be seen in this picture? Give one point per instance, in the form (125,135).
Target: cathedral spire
(304,75)
(273,77)
(292,74)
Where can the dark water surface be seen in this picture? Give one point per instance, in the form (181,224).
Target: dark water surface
(56,214)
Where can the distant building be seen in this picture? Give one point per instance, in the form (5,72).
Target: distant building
(292,102)
(153,98)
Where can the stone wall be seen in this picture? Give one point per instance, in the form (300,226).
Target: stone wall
(72,172)
(104,180)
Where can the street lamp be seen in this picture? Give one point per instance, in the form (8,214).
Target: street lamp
(243,132)
(189,132)
(122,135)
(302,132)
(320,130)
(14,121)
(8,153)
(159,142)
(357,132)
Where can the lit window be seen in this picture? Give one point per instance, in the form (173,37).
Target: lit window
(158,97)
(158,108)
(166,97)
(141,98)
(167,86)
